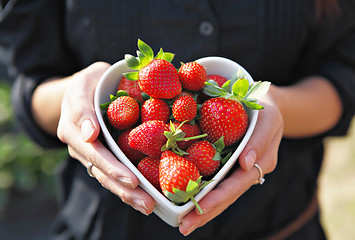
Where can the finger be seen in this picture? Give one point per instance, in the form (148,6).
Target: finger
(103,159)
(137,198)
(268,125)
(80,100)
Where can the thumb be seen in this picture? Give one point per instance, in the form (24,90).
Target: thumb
(89,132)
(89,126)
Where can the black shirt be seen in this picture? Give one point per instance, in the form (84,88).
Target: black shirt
(275,40)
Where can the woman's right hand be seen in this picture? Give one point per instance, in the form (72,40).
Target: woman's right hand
(78,128)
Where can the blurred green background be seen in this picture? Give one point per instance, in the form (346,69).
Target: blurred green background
(27,181)
(27,178)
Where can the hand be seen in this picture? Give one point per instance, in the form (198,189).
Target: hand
(262,149)
(78,127)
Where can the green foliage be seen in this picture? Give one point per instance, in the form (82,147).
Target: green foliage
(24,166)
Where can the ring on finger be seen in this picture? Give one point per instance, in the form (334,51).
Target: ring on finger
(89,170)
(261,179)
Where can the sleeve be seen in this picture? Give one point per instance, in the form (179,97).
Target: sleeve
(334,45)
(32,45)
(339,69)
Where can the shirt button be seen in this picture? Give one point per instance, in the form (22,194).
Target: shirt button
(206,28)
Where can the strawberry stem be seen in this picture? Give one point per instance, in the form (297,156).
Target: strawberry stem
(192,138)
(196,204)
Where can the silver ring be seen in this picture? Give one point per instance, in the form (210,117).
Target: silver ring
(88,169)
(261,180)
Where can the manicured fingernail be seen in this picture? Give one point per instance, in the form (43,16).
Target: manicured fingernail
(140,206)
(126,181)
(250,159)
(87,129)
(189,230)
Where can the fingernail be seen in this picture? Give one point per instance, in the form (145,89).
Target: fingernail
(250,159)
(140,206)
(126,181)
(189,230)
(87,129)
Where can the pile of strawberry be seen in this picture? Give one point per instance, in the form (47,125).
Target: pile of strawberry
(179,126)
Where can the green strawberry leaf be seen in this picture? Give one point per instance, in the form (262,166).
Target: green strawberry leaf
(226,158)
(167,56)
(132,61)
(168,134)
(119,93)
(226,86)
(240,87)
(160,54)
(212,89)
(133,76)
(142,59)
(146,49)
(104,106)
(251,105)
(258,90)
(239,74)
(145,96)
(219,144)
(217,156)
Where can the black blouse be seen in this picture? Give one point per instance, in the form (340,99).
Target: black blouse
(275,40)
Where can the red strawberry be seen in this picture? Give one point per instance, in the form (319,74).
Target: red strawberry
(159,79)
(176,172)
(132,154)
(149,137)
(132,88)
(155,109)
(149,167)
(191,130)
(192,76)
(123,112)
(156,76)
(223,117)
(220,80)
(184,109)
(204,155)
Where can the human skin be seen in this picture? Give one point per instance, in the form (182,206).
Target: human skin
(64,106)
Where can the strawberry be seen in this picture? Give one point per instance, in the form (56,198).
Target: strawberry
(123,111)
(156,76)
(132,88)
(192,76)
(184,109)
(206,156)
(149,167)
(225,115)
(179,178)
(176,172)
(159,79)
(149,137)
(191,130)
(155,109)
(133,155)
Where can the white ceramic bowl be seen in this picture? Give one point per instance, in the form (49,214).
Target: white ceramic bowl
(167,211)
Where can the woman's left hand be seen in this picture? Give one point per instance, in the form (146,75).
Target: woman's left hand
(262,148)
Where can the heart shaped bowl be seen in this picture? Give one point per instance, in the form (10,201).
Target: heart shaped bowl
(166,210)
